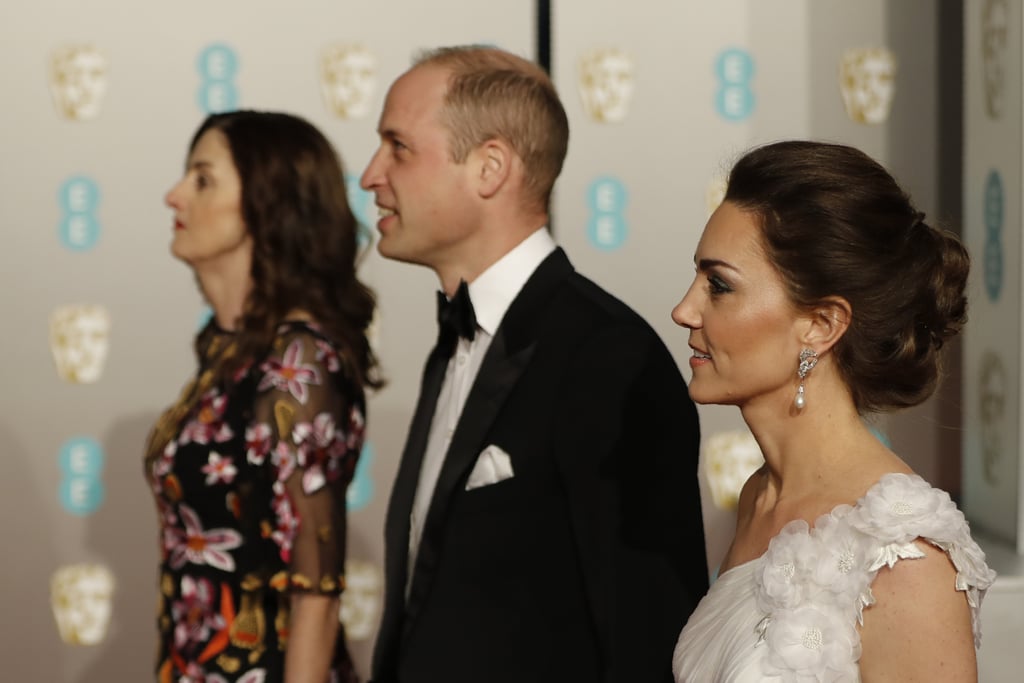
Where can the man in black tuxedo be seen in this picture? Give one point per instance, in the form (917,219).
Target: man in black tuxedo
(545,521)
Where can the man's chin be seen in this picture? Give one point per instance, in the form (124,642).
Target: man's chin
(389,250)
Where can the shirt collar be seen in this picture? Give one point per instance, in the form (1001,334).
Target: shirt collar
(493,291)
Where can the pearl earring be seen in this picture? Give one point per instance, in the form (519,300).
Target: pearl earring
(808,359)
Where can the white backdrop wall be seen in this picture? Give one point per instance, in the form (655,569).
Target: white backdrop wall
(705,81)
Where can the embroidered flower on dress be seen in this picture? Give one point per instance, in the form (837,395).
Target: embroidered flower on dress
(290,374)
(257,443)
(197,546)
(195,614)
(318,451)
(286,523)
(163,464)
(219,469)
(356,427)
(283,461)
(326,354)
(208,423)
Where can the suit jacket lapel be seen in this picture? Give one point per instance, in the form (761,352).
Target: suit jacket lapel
(506,360)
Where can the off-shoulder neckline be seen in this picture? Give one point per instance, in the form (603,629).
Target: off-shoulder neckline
(810,525)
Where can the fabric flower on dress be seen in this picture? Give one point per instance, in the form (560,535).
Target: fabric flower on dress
(812,643)
(208,423)
(219,469)
(844,561)
(290,373)
(197,546)
(195,614)
(902,507)
(783,576)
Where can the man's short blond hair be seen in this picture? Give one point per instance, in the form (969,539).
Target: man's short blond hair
(495,94)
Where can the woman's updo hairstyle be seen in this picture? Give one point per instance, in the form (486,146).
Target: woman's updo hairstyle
(835,223)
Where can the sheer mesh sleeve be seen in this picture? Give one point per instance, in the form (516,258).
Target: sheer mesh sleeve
(311,435)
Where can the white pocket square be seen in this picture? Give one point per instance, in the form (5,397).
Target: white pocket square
(492,465)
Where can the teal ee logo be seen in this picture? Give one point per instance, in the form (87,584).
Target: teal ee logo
(81,489)
(205,314)
(361,203)
(607,199)
(79,228)
(360,491)
(217,66)
(993,255)
(734,99)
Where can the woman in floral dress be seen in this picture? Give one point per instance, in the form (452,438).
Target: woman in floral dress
(250,467)
(822,296)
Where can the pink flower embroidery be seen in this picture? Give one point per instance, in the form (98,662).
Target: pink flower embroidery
(198,546)
(195,613)
(290,374)
(257,443)
(326,354)
(320,449)
(208,424)
(219,469)
(286,522)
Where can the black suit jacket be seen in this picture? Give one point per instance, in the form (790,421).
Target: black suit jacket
(585,565)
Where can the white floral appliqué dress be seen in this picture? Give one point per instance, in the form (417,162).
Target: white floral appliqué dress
(792,614)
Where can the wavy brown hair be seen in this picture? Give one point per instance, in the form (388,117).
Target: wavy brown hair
(304,235)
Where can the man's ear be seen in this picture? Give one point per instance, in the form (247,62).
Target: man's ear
(494,158)
(827,323)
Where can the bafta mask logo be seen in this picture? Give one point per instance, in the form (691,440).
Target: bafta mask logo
(606,84)
(729,460)
(715,194)
(348,78)
(360,602)
(994,28)
(867,81)
(79,339)
(81,596)
(992,401)
(78,81)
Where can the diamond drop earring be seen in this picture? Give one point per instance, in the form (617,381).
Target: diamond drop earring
(808,359)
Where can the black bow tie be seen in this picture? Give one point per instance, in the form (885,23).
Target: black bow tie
(455,317)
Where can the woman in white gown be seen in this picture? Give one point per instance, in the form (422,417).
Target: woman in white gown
(821,296)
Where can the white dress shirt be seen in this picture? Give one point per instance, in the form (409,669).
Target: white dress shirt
(491,293)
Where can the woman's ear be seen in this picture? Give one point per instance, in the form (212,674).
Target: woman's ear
(827,323)
(494,158)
